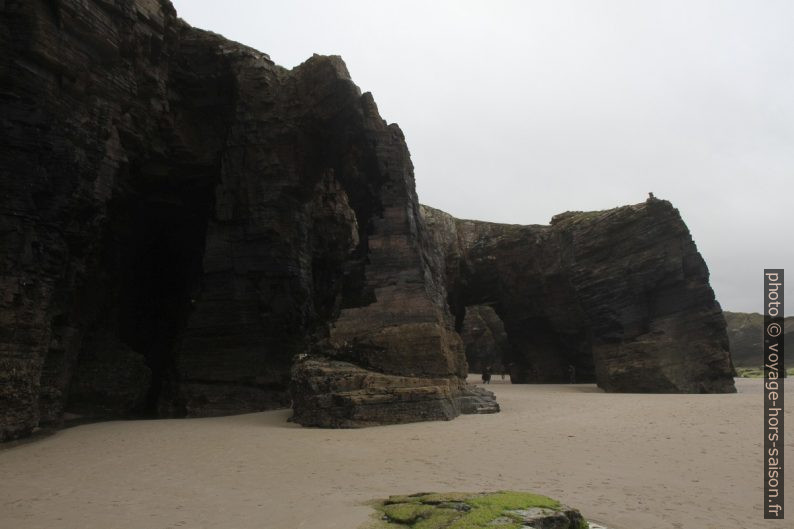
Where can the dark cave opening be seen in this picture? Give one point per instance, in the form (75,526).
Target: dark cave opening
(543,352)
(532,348)
(156,297)
(545,331)
(146,279)
(161,279)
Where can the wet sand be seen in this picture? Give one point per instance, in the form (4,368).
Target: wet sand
(629,461)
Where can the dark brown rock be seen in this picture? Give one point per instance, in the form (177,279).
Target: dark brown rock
(621,295)
(181,218)
(484,339)
(85,93)
(332,393)
(110,379)
(178,206)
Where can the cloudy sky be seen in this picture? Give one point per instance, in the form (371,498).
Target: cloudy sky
(517,110)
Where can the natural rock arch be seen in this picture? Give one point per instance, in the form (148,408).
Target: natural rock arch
(622,295)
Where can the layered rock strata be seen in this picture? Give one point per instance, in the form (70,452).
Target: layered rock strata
(182,219)
(618,297)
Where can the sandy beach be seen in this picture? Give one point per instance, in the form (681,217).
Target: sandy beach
(629,461)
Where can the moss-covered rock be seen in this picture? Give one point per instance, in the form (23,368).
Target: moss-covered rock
(456,510)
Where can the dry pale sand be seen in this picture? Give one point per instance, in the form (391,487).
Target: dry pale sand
(630,461)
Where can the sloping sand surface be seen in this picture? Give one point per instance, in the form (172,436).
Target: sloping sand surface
(630,461)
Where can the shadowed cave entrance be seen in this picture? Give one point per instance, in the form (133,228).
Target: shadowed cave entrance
(163,275)
(530,348)
(545,328)
(147,277)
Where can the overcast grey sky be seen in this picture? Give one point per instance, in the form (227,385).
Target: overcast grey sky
(517,110)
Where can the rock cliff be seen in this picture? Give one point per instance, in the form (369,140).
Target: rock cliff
(181,217)
(618,297)
(188,229)
(484,339)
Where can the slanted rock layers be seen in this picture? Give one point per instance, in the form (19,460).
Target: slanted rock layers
(181,217)
(188,229)
(618,297)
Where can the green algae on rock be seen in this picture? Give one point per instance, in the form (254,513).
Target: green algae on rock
(456,510)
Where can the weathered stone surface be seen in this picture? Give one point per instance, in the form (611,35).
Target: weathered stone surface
(543,518)
(474,399)
(110,379)
(85,109)
(332,393)
(621,295)
(746,338)
(484,339)
(181,217)
(202,210)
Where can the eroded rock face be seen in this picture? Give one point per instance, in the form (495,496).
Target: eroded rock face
(182,218)
(336,394)
(621,296)
(484,339)
(182,209)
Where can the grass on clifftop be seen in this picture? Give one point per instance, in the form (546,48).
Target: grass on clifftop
(457,510)
(757,372)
